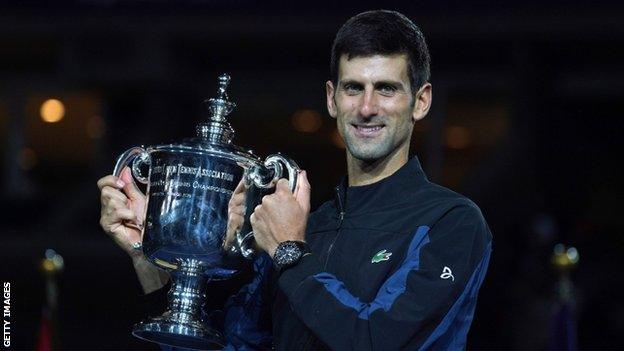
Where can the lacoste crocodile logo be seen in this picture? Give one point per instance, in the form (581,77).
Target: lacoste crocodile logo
(381,256)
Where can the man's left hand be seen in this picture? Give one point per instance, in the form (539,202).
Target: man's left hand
(283,215)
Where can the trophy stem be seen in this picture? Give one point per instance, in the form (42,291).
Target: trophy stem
(181,325)
(188,293)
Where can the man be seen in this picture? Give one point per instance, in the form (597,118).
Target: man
(394,261)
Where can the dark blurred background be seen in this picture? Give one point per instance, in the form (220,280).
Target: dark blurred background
(525,121)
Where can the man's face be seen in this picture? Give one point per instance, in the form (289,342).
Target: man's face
(374,105)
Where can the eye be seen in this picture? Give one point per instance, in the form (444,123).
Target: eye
(386,89)
(352,88)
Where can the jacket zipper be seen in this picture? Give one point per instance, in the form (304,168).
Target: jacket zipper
(340,218)
(308,345)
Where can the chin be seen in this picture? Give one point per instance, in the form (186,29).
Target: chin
(368,156)
(368,150)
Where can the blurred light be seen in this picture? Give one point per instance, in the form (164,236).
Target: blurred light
(337,139)
(457,137)
(564,258)
(27,159)
(307,121)
(96,127)
(573,254)
(57,259)
(53,263)
(52,111)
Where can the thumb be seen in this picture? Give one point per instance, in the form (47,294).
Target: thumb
(302,192)
(131,190)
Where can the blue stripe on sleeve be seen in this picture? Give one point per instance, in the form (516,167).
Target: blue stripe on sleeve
(393,287)
(451,333)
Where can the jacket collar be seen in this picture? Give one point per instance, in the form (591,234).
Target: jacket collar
(357,199)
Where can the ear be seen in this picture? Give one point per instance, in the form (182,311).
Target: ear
(331,106)
(423,102)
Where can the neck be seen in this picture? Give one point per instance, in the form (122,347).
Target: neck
(364,172)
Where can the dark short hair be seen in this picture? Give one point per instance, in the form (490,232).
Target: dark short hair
(382,32)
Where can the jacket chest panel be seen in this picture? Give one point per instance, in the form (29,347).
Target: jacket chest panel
(361,258)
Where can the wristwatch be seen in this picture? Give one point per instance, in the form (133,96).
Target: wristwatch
(288,253)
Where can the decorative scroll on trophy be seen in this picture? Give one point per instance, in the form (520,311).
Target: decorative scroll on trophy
(189,185)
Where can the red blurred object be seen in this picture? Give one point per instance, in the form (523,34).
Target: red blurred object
(44,341)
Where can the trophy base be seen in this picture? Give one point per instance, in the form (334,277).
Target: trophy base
(190,335)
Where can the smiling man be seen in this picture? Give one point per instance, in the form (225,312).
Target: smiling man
(394,261)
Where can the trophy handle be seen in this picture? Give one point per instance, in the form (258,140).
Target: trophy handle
(278,165)
(277,162)
(134,157)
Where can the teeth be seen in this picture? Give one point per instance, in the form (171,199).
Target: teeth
(369,129)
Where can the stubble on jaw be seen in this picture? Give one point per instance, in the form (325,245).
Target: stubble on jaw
(366,156)
(368,166)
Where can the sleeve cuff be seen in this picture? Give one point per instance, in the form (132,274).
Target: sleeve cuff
(290,280)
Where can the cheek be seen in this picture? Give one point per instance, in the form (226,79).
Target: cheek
(403,122)
(345,105)
(341,126)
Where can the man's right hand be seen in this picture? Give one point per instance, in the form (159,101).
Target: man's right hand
(122,217)
(123,208)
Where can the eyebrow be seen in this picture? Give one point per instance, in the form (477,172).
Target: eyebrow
(349,81)
(397,84)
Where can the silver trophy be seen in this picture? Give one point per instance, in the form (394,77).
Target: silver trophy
(189,185)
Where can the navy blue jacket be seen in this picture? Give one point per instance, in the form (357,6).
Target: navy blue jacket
(395,265)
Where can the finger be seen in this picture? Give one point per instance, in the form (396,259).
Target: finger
(238,210)
(117,217)
(237,200)
(266,199)
(240,188)
(282,186)
(131,190)
(298,186)
(110,180)
(112,193)
(238,197)
(125,214)
(234,222)
(302,194)
(114,206)
(255,214)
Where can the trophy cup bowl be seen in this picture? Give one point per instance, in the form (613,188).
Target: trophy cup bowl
(189,186)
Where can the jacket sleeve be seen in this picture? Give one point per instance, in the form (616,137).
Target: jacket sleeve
(427,303)
(247,323)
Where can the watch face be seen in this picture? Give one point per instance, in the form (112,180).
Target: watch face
(287,253)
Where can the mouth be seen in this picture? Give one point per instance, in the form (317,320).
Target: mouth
(367,130)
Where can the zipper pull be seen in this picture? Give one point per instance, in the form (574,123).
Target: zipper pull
(340,207)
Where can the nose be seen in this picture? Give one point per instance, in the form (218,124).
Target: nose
(369,105)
